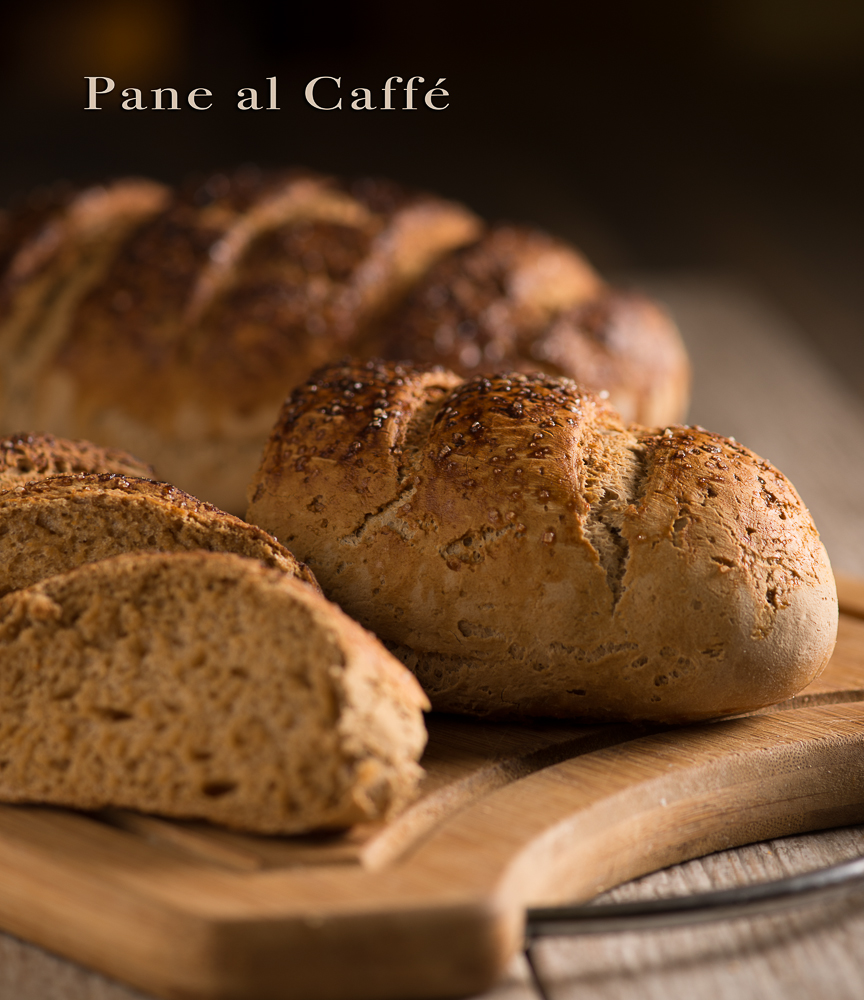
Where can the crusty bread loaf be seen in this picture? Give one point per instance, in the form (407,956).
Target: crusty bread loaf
(202,685)
(173,323)
(56,524)
(526,553)
(25,457)
(518,300)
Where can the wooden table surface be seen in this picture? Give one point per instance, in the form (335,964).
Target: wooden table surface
(756,379)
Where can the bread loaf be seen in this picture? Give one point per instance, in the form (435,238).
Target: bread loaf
(173,323)
(202,685)
(25,457)
(518,300)
(60,523)
(527,553)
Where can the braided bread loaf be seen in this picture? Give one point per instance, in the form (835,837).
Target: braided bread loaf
(173,323)
(527,553)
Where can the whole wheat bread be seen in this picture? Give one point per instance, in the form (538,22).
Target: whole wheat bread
(202,685)
(25,457)
(57,524)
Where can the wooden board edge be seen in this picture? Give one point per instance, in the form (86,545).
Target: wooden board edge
(752,790)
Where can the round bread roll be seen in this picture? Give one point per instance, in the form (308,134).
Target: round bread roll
(527,553)
(174,322)
(57,524)
(202,685)
(25,457)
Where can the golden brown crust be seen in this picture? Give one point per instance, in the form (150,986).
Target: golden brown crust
(518,300)
(25,457)
(54,525)
(527,553)
(180,337)
(65,246)
(238,299)
(202,685)
(128,331)
(174,323)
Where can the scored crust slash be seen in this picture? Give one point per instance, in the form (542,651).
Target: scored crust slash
(172,323)
(527,553)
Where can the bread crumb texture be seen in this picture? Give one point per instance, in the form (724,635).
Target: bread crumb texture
(202,685)
(57,524)
(527,553)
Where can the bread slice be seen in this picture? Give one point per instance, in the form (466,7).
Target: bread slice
(25,457)
(202,685)
(60,523)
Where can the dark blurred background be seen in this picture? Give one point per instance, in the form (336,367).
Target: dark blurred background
(722,135)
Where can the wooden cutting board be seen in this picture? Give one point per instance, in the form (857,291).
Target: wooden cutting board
(432,904)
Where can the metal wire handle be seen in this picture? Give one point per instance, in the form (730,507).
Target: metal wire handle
(676,911)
